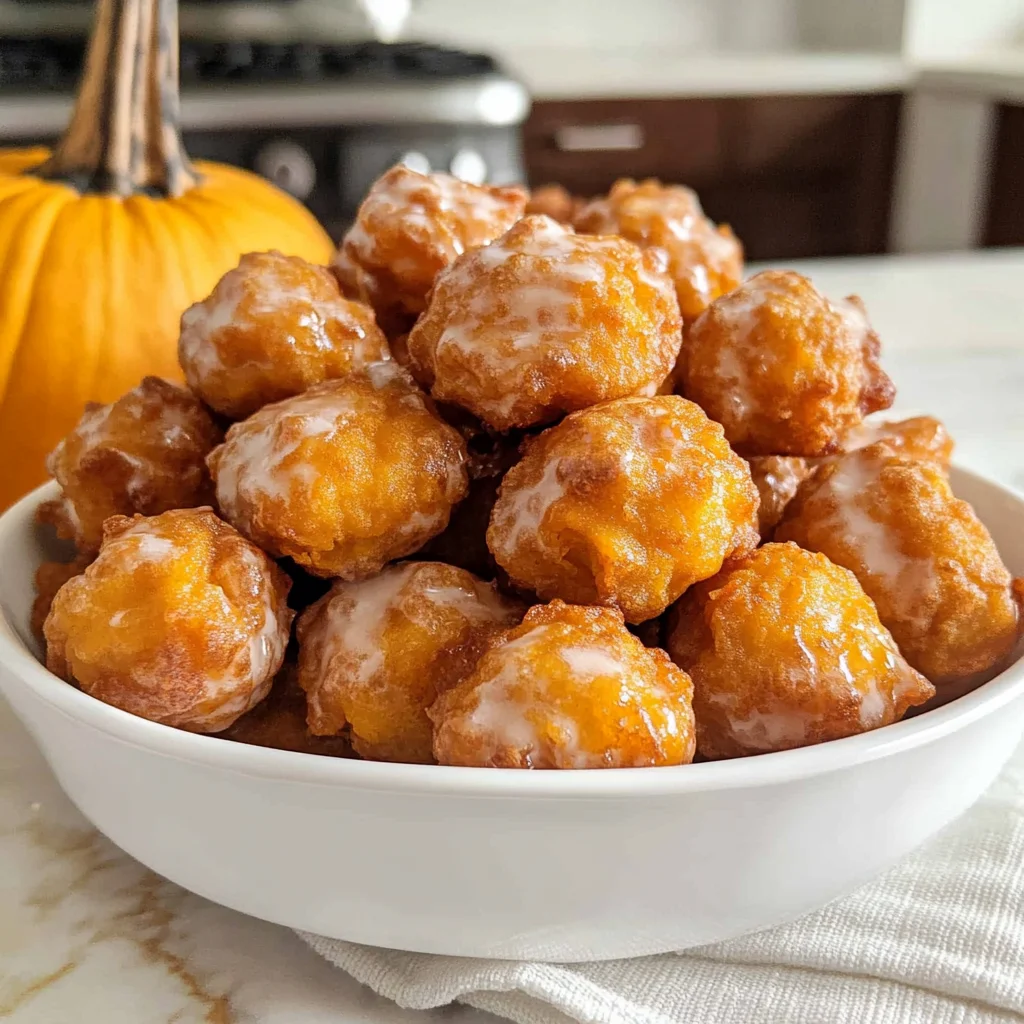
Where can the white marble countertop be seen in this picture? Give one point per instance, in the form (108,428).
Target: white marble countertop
(996,75)
(623,73)
(557,74)
(87,936)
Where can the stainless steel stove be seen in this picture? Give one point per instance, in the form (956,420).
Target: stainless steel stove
(321,119)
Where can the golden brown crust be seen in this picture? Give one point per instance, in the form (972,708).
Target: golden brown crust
(533,325)
(345,477)
(568,688)
(704,261)
(374,655)
(145,453)
(273,327)
(408,228)
(777,479)
(624,504)
(783,369)
(785,649)
(921,554)
(555,202)
(50,577)
(179,620)
(922,438)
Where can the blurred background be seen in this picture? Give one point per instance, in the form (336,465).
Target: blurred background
(815,127)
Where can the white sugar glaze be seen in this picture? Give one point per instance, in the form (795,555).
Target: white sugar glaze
(265,649)
(544,306)
(519,707)
(591,662)
(356,614)
(151,547)
(743,356)
(498,715)
(523,516)
(252,462)
(170,429)
(402,197)
(875,543)
(761,730)
(269,298)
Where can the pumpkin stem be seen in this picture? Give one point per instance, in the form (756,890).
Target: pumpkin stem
(124,135)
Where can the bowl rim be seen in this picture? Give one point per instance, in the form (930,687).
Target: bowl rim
(23,669)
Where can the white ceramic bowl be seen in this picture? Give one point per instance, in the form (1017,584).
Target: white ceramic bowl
(500,863)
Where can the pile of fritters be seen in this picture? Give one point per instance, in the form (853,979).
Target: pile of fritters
(489,462)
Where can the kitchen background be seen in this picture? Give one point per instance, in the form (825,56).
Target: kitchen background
(815,127)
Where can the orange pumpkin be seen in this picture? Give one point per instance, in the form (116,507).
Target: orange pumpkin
(104,242)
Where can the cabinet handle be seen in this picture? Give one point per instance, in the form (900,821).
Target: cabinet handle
(590,138)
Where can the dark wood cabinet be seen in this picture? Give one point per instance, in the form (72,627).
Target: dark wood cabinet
(794,175)
(587,145)
(1004,220)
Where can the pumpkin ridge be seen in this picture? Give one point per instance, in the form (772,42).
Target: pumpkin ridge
(221,204)
(223,184)
(17,408)
(14,185)
(18,164)
(211,232)
(114,250)
(197,261)
(12,328)
(232,212)
(149,248)
(214,235)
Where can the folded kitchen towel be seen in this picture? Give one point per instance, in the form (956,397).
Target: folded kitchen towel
(937,940)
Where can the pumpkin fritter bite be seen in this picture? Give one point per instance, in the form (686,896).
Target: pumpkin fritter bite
(144,453)
(179,620)
(624,504)
(555,202)
(785,649)
(50,577)
(782,368)
(408,228)
(279,721)
(273,327)
(777,478)
(921,554)
(543,321)
(704,261)
(374,655)
(343,478)
(570,687)
(922,438)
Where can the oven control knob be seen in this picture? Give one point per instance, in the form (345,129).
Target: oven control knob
(470,166)
(415,161)
(288,166)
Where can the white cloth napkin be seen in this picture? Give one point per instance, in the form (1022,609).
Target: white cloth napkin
(937,940)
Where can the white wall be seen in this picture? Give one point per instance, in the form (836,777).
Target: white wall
(875,25)
(936,29)
(924,29)
(697,24)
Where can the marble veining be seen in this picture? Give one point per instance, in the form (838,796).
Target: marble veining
(90,936)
